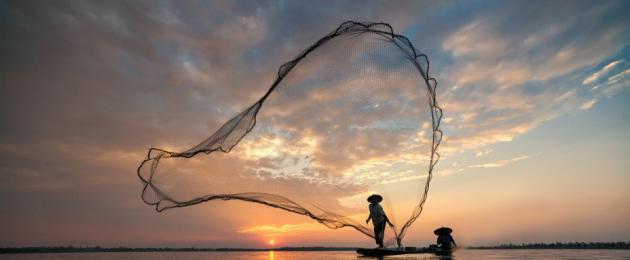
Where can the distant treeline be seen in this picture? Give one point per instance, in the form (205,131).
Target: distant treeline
(72,249)
(558,245)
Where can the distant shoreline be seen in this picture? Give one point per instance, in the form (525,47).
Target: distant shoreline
(558,245)
(98,249)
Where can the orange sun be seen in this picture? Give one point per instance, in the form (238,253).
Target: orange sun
(271,242)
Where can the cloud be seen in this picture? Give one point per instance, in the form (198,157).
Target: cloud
(619,76)
(475,39)
(500,163)
(616,74)
(605,70)
(483,152)
(506,78)
(588,104)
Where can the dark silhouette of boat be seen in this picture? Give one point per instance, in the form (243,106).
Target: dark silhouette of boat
(403,250)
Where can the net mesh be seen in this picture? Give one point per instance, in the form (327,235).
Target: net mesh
(346,116)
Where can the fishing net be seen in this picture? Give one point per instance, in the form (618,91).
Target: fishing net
(353,114)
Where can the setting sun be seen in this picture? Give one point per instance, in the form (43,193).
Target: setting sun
(271,242)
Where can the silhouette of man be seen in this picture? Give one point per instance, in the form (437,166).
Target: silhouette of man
(445,240)
(377,214)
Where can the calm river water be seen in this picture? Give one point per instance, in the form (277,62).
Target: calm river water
(271,255)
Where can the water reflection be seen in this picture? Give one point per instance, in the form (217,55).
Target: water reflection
(409,257)
(271,255)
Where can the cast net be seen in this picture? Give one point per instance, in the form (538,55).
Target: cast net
(353,114)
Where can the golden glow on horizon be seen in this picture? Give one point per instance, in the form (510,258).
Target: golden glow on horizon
(272,231)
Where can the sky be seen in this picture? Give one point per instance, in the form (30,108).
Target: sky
(536,115)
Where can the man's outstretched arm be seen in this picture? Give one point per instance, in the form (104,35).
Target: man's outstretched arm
(388,222)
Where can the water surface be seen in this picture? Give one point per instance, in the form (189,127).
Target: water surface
(318,255)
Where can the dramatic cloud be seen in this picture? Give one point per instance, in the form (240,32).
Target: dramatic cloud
(507,78)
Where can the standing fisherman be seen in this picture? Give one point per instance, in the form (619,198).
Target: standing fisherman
(377,214)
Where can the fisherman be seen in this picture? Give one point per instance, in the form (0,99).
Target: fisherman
(377,214)
(445,241)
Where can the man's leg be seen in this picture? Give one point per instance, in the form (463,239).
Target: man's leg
(379,233)
(376,234)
